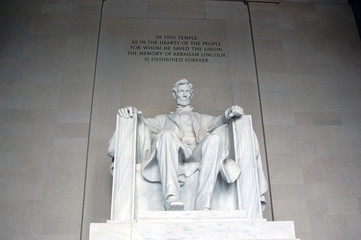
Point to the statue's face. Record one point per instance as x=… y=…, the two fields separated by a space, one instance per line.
x=184 y=95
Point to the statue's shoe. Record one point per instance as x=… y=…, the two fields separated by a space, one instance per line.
x=204 y=209
x=173 y=204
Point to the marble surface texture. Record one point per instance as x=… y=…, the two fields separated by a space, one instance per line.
x=139 y=214
x=209 y=153
x=308 y=58
x=132 y=194
x=121 y=77
x=217 y=225
x=123 y=193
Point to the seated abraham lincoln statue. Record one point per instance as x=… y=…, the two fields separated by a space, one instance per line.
x=174 y=146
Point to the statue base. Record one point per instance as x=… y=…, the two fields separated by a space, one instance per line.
x=193 y=225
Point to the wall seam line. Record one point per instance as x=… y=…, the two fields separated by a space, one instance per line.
x=261 y=112
x=90 y=120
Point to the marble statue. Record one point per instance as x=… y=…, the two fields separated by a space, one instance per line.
x=173 y=147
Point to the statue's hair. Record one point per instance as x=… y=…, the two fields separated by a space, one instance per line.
x=181 y=82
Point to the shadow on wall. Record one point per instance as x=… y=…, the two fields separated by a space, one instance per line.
x=356 y=8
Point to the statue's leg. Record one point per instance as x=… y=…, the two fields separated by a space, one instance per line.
x=209 y=152
x=167 y=154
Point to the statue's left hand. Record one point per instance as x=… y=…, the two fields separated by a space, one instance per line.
x=233 y=112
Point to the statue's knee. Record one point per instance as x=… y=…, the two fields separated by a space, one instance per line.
x=214 y=140
x=166 y=135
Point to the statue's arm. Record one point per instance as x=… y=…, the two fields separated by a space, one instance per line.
x=155 y=125
x=215 y=122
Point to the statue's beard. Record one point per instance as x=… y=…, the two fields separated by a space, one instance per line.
x=183 y=102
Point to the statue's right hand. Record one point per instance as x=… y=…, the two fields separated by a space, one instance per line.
x=128 y=112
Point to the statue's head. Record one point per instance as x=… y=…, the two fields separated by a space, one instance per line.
x=183 y=92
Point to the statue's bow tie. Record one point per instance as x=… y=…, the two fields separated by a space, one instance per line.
x=184 y=109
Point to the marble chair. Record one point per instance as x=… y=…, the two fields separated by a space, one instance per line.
x=133 y=196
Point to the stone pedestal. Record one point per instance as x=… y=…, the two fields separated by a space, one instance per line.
x=193 y=225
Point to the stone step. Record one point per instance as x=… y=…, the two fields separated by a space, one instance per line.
x=189 y=215
x=159 y=229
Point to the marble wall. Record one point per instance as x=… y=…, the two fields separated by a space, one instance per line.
x=47 y=61
x=309 y=67
x=58 y=103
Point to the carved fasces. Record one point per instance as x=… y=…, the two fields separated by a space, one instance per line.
x=123 y=192
x=247 y=157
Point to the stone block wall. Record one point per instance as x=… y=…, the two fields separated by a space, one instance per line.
x=309 y=66
x=47 y=62
x=55 y=120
